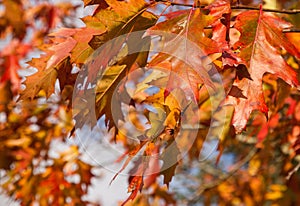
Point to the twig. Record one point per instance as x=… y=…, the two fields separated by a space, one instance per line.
x=239 y=7
x=283 y=11
x=223 y=178
x=292 y=30
x=293 y=171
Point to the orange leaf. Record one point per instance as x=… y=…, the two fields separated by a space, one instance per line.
x=135 y=185
x=259 y=48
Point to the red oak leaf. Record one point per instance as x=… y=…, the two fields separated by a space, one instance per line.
x=259 y=47
x=186 y=50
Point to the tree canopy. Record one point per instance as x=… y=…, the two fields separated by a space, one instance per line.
x=206 y=92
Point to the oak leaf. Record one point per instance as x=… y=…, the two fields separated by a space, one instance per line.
x=170 y=158
x=184 y=52
x=259 y=47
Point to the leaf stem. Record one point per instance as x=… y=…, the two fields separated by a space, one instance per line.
x=238 y=7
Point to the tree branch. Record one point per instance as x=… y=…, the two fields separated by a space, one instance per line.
x=283 y=11
x=223 y=177
x=239 y=7
x=292 y=30
x=293 y=171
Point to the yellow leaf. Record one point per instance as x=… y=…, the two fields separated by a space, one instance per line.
x=41 y=134
x=156 y=119
x=66 y=121
x=173 y=119
x=226 y=190
x=277 y=187
x=172 y=100
x=70 y=154
x=276 y=192
x=13 y=118
x=22 y=142
x=254 y=165
x=292 y=63
x=274 y=195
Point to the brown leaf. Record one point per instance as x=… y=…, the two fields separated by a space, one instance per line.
x=236 y=92
x=42 y=80
x=170 y=158
x=14 y=14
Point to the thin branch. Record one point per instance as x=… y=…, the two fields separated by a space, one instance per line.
x=224 y=177
x=239 y=7
x=293 y=171
x=283 y=11
x=292 y=30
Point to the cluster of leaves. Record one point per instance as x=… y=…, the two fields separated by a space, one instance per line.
x=248 y=50
x=33 y=170
x=272 y=149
